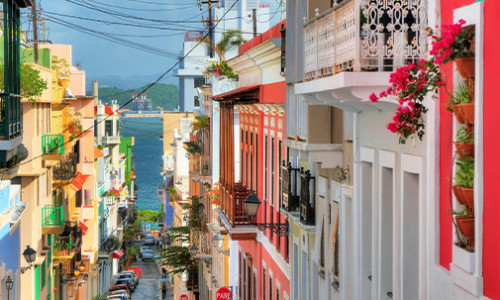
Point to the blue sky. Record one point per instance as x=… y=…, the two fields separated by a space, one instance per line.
x=101 y=57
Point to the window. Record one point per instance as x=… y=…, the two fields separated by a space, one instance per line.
x=251 y=154
x=199 y=81
x=322 y=247
x=108 y=127
x=277 y=294
x=254 y=293
x=280 y=162
x=241 y=279
x=265 y=166
x=256 y=162
x=242 y=154
x=263 y=284
x=249 y=279
x=270 y=287
x=273 y=167
x=247 y=155
x=95 y=127
x=196 y=101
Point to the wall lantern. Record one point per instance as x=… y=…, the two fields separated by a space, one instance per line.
x=251 y=204
x=218 y=241
x=30 y=256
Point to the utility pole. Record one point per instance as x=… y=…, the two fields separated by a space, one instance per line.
x=35 y=31
x=210 y=22
x=254 y=21
x=282 y=8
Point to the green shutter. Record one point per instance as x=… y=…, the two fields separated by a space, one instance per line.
x=37 y=282
x=49 y=286
x=44 y=274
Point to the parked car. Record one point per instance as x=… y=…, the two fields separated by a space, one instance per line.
x=149 y=240
x=134 y=275
x=117 y=297
x=127 y=276
x=117 y=287
x=118 y=293
x=148 y=255
x=127 y=281
x=142 y=249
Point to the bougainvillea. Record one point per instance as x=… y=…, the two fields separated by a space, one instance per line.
x=412 y=83
x=212 y=194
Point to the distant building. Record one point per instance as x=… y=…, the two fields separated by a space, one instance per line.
x=142 y=103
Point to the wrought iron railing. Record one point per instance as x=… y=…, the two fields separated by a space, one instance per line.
x=67 y=168
x=289 y=198
x=52 y=144
x=368 y=35
x=307 y=198
x=52 y=216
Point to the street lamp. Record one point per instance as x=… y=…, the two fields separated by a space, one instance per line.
x=251 y=204
x=76 y=272
x=8 y=285
x=30 y=256
x=81 y=266
x=193 y=250
x=218 y=241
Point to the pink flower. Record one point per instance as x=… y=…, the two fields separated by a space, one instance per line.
x=373 y=98
x=392 y=127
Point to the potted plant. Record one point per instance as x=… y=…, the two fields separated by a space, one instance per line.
x=464 y=179
x=465 y=224
x=461 y=103
x=61 y=248
x=464 y=143
x=463 y=52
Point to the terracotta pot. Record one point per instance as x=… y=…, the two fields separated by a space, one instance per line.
x=458 y=112
x=458 y=194
x=468 y=112
x=468 y=197
x=465 y=149
x=466 y=227
x=465 y=66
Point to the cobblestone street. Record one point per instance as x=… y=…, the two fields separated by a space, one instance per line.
x=149 y=287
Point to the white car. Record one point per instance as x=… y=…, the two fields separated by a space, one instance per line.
x=148 y=255
x=149 y=240
x=118 y=293
x=134 y=275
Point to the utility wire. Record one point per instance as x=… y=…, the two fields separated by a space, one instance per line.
x=135 y=97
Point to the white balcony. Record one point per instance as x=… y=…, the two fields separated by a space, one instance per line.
x=111 y=140
x=364 y=35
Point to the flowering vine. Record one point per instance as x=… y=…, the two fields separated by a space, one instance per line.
x=411 y=84
x=213 y=193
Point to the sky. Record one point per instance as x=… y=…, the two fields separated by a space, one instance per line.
x=101 y=57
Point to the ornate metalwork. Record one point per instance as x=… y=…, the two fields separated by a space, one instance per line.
x=281 y=229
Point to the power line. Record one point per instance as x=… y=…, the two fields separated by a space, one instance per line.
x=133 y=98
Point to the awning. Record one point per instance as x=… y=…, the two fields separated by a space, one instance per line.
x=114 y=192
x=84 y=227
x=242 y=94
x=78 y=182
x=118 y=254
x=97 y=153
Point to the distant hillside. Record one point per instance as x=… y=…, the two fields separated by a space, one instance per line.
x=128 y=82
x=161 y=94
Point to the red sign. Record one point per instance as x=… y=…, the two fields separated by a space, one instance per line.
x=223 y=294
x=184 y=297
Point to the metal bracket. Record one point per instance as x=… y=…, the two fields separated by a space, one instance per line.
x=281 y=229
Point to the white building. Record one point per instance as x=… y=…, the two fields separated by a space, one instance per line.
x=358 y=231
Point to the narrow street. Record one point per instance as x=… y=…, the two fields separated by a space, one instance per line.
x=149 y=286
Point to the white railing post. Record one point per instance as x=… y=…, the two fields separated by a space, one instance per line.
x=357 y=37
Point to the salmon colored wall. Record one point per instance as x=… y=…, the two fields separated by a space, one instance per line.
x=491 y=144
x=446 y=148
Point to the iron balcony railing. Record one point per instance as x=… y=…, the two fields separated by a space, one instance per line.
x=67 y=168
x=52 y=144
x=307 y=199
x=52 y=216
x=10 y=115
x=364 y=35
x=290 y=201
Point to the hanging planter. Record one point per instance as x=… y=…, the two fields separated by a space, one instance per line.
x=457 y=191
x=465 y=66
x=468 y=198
x=465 y=142
x=458 y=112
x=465 y=225
x=468 y=112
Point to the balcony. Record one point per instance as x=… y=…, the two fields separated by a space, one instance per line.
x=66 y=169
x=307 y=198
x=52 y=146
x=364 y=35
x=10 y=116
x=232 y=204
x=290 y=201
x=52 y=219
x=192 y=283
x=110 y=140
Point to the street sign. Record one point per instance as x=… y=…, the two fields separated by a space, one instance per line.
x=184 y=297
x=223 y=294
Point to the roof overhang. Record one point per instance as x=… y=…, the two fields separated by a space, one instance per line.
x=246 y=94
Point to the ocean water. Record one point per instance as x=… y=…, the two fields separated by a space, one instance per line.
x=148 y=150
